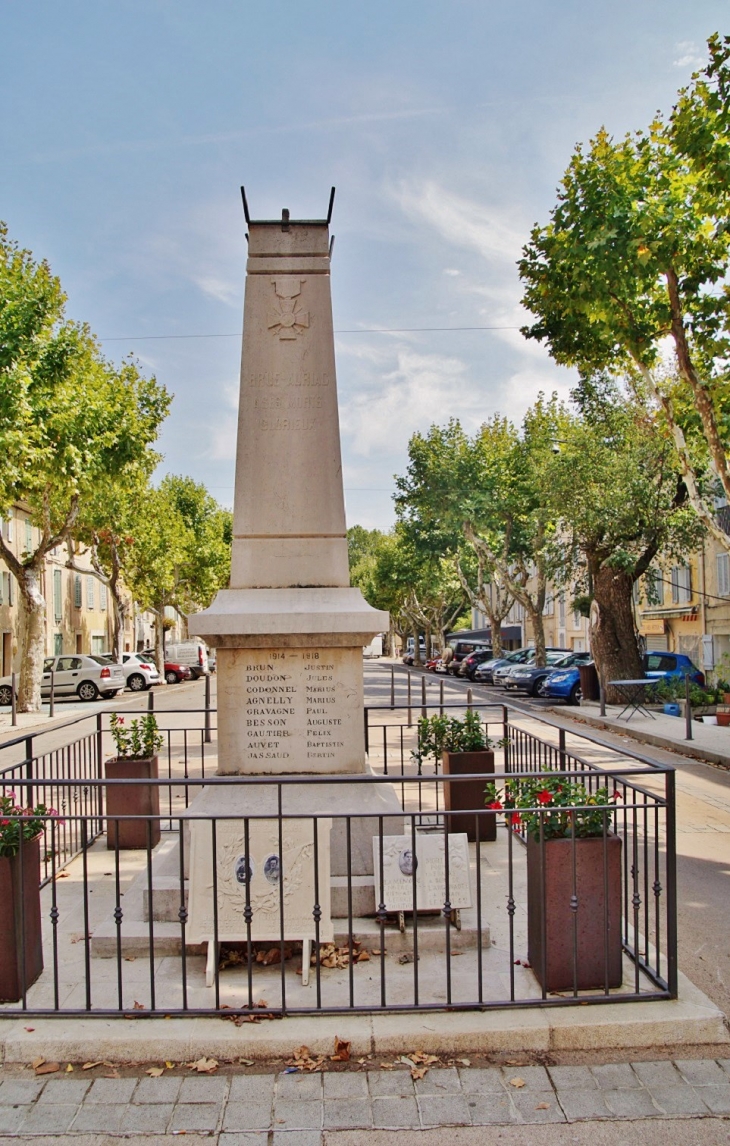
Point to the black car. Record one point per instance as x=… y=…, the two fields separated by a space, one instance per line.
x=468 y=666
x=529 y=678
x=462 y=650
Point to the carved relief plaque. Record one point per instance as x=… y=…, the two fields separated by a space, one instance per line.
x=430 y=867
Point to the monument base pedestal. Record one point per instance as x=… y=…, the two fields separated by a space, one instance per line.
x=355 y=809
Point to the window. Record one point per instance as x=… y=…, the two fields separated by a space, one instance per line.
x=561 y=608
x=90 y=592
x=9 y=529
x=654 y=587
x=102 y=596
x=97 y=645
x=549 y=606
x=77 y=591
x=28 y=536
x=57 y=595
x=723 y=574
x=6 y=589
x=58 y=643
x=681 y=584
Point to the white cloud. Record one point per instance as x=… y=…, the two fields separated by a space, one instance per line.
x=691 y=55
x=222 y=435
x=488 y=230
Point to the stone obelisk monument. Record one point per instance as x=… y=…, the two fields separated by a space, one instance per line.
x=289 y=631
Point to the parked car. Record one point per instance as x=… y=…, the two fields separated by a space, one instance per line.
x=483 y=673
x=462 y=650
x=528 y=678
x=192 y=653
x=141 y=671
x=175 y=673
x=661 y=665
x=469 y=665
x=562 y=684
x=88 y=677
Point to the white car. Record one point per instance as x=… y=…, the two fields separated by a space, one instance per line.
x=88 y=677
x=141 y=672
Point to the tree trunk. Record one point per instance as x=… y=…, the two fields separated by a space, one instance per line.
x=538 y=627
x=417 y=647
x=160 y=641
x=495 y=623
x=429 y=646
x=613 y=633
x=34 y=640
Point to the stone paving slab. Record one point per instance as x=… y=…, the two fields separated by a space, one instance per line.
x=319 y=1108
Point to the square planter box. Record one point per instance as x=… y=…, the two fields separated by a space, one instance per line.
x=549 y=893
x=468 y=794
x=21 y=945
x=132 y=800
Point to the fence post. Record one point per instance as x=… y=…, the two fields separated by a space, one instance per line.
x=602 y=695
x=410 y=714
x=423 y=697
x=392 y=686
x=13 y=702
x=51 y=703
x=29 y=768
x=207 y=709
x=505 y=736
x=687 y=709
x=469 y=698
x=150 y=701
x=100 y=762
x=441 y=698
x=561 y=746
x=671 y=871
x=366 y=723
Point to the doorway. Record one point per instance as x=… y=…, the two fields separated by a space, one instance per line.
x=7 y=654
x=79 y=642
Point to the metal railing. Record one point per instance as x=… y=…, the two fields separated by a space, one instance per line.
x=118 y=937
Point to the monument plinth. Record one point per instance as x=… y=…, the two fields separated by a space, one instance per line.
x=289 y=631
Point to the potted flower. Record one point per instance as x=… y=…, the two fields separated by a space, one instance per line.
x=21 y=948
x=464 y=750
x=573 y=859
x=136 y=759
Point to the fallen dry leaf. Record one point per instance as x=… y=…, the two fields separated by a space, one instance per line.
x=387 y=1066
x=464 y=1061
x=47 y=1068
x=517 y=1083
x=169 y=1065
x=91 y=1065
x=543 y=1106
x=112 y=1074
x=37 y=1062
x=155 y=1071
x=69 y=1068
x=342 y=1050
x=29 y=1028
x=129 y=958
x=138 y=1006
x=262 y=1003
x=363 y=957
x=246 y=1061
x=204 y=1065
x=62 y=875
x=419 y=1072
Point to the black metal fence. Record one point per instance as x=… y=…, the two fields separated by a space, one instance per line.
x=375 y=907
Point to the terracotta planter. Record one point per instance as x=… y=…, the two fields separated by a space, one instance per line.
x=549 y=894
x=468 y=794
x=132 y=800
x=726 y=697
x=21 y=946
x=723 y=719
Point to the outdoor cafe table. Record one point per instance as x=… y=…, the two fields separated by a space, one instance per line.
x=632 y=691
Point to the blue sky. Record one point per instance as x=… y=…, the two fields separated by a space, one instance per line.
x=129 y=125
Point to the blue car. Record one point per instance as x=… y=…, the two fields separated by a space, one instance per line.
x=564 y=684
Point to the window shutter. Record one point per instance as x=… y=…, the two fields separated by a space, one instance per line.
x=77 y=591
x=89 y=592
x=57 y=595
x=723 y=574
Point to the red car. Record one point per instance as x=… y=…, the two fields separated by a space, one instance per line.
x=174 y=673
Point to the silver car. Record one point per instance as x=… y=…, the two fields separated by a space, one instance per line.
x=87 y=677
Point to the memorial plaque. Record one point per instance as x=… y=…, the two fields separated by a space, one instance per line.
x=262 y=873
x=430 y=865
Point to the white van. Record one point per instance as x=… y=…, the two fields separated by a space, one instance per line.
x=192 y=653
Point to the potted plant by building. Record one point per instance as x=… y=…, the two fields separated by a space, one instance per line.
x=21 y=944
x=136 y=743
x=464 y=750
x=573 y=880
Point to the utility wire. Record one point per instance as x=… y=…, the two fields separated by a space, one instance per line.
x=363 y=330
x=666 y=581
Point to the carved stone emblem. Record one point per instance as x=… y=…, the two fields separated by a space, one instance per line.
x=287 y=319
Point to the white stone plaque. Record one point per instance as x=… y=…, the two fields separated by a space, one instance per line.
x=430 y=863
x=264 y=873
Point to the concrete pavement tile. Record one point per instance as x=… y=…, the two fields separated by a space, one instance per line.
x=20 y=1091
x=345 y=1085
x=65 y=1091
x=444 y=1110
x=442 y=1080
x=11 y=1118
x=49 y=1119
x=297 y=1138
x=581 y=1104
x=203 y=1090
x=386 y=1084
x=99 y=1118
x=701 y=1071
x=163 y=1089
x=478 y=1080
x=725 y=1064
x=629 y=1103
x=111 y=1090
x=615 y=1076
x=530 y=1104
x=195 y=1116
x=657 y=1074
x=246 y=1138
x=534 y=1077
x=716 y=1098
x=348 y=1114
x=395 y=1113
x=291 y=1115
x=148 y=1118
x=252 y=1088
x=247 y=1116
x=491 y=1110
x=299 y=1087
x=572 y=1077
x=680 y=1100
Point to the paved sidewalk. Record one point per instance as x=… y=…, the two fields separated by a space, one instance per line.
x=310 y=1109
x=709 y=741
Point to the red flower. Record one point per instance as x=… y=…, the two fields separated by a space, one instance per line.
x=515 y=819
x=496 y=805
x=544 y=797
